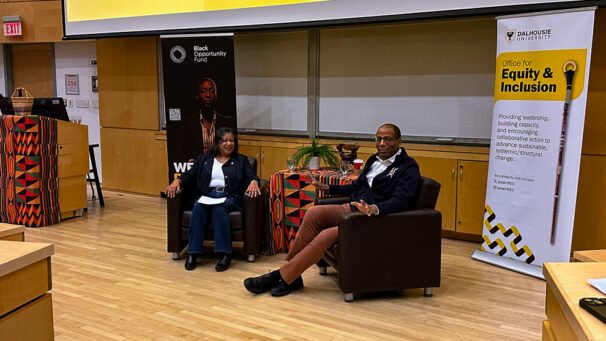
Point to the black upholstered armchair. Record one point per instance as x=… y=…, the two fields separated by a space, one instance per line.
x=246 y=226
x=391 y=252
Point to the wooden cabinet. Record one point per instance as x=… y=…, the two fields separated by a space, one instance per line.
x=269 y=159
x=443 y=171
x=461 y=170
x=270 y=151
x=273 y=159
x=252 y=151
x=471 y=196
x=462 y=194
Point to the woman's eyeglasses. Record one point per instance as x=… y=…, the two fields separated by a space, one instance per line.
x=226 y=141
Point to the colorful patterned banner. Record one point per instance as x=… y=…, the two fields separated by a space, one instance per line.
x=28 y=171
x=291 y=195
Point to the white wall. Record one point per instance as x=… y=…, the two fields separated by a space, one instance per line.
x=75 y=58
x=2 y=68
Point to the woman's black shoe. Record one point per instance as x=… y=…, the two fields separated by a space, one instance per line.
x=282 y=288
x=223 y=262
x=190 y=262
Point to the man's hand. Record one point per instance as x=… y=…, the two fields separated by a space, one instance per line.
x=365 y=208
x=173 y=188
x=317 y=184
x=253 y=189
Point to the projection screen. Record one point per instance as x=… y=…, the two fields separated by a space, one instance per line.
x=96 y=18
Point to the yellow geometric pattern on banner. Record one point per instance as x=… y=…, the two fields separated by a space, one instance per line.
x=493 y=244
x=538 y=75
x=491 y=216
x=524 y=249
x=80 y=10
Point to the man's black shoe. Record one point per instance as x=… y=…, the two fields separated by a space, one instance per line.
x=223 y=262
x=261 y=284
x=190 y=262
x=282 y=288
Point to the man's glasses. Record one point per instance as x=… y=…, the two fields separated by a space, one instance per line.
x=387 y=139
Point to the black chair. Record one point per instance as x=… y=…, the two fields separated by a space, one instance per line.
x=391 y=252
x=246 y=226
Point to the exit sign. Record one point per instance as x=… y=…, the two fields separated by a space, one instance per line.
x=12 y=29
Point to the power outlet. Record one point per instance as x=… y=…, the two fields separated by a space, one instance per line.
x=81 y=103
x=70 y=103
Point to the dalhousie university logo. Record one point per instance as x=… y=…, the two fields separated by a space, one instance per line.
x=510 y=35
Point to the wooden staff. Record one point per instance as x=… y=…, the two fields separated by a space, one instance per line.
x=569 y=69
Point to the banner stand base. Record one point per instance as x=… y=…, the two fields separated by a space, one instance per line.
x=509 y=264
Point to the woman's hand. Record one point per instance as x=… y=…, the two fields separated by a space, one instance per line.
x=365 y=208
x=173 y=188
x=253 y=189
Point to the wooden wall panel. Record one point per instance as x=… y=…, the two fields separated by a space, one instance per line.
x=590 y=216
x=134 y=160
x=33 y=69
x=595 y=120
x=128 y=83
x=41 y=20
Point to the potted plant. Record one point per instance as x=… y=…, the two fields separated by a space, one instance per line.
x=312 y=154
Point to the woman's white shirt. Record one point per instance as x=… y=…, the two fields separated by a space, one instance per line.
x=217 y=178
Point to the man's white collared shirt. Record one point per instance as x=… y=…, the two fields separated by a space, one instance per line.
x=379 y=166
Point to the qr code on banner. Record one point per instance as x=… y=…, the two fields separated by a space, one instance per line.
x=174 y=114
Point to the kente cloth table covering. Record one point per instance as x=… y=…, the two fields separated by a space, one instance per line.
x=28 y=170
x=291 y=195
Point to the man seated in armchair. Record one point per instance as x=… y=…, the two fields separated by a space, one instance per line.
x=388 y=184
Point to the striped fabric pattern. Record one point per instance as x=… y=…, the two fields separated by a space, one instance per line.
x=290 y=197
x=28 y=158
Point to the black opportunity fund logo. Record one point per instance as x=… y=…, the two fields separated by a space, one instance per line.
x=177 y=54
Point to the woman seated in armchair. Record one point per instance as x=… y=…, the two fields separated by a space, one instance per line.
x=222 y=173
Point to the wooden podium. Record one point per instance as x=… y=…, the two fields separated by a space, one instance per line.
x=72 y=167
x=566 y=284
x=26 y=311
x=43 y=167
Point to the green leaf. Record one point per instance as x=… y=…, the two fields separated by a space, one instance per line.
x=325 y=152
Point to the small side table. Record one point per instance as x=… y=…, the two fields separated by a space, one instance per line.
x=290 y=196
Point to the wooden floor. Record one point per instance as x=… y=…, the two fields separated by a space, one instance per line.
x=113 y=280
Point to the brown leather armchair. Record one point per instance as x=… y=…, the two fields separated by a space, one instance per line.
x=246 y=226
x=391 y=252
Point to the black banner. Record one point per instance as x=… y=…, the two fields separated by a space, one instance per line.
x=199 y=95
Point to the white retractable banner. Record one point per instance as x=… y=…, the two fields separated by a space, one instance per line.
x=542 y=72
